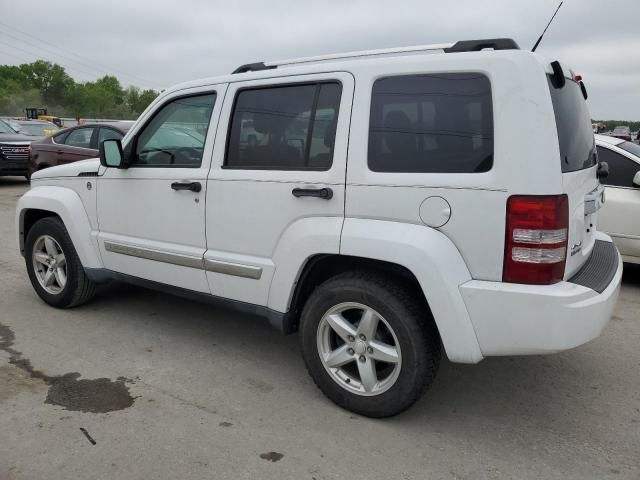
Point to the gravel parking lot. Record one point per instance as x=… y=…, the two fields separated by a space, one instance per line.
x=186 y=390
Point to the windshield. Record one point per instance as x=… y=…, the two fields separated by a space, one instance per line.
x=630 y=147
x=621 y=130
x=4 y=128
x=37 y=129
x=573 y=123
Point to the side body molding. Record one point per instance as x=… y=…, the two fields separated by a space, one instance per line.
x=436 y=263
x=65 y=203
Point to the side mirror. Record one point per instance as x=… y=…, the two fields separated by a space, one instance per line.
x=636 y=179
x=111 y=153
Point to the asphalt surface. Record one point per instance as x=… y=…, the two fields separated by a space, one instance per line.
x=142 y=385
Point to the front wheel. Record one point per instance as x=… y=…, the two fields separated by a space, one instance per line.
x=53 y=265
x=369 y=344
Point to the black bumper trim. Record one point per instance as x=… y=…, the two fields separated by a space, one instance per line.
x=600 y=269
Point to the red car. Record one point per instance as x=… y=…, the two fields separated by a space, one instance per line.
x=73 y=144
x=622 y=132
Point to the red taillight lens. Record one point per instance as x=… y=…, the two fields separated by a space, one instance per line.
x=536 y=239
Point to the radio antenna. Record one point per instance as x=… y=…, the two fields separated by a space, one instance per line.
x=545 y=28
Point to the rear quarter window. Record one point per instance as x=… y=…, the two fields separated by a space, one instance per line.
x=431 y=123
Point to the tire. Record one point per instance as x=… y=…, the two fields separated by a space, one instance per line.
x=404 y=323
x=77 y=288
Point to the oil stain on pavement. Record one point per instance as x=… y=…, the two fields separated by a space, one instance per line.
x=100 y=395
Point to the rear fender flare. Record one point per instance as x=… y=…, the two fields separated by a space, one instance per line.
x=437 y=265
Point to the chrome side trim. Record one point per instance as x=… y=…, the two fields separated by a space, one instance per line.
x=155 y=255
x=236 y=269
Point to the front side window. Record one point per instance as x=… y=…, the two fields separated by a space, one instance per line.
x=284 y=128
x=80 y=137
x=176 y=135
x=431 y=123
x=621 y=169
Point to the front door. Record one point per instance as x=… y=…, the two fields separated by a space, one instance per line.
x=277 y=184
x=619 y=215
x=151 y=215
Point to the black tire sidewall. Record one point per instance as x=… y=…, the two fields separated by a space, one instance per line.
x=416 y=344
x=54 y=228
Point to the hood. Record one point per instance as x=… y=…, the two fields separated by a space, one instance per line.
x=17 y=137
x=85 y=167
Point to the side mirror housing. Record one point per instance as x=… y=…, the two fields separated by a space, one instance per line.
x=111 y=154
x=636 y=179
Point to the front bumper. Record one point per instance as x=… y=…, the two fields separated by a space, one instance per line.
x=14 y=159
x=514 y=319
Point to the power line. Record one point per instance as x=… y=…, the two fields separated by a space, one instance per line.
x=40 y=57
x=86 y=60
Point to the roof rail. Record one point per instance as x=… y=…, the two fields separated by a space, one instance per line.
x=477 y=45
x=462 y=46
x=252 y=67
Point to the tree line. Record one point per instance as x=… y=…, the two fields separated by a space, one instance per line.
x=45 y=84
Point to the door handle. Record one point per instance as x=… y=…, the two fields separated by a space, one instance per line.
x=325 y=193
x=192 y=186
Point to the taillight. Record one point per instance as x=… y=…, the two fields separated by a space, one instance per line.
x=536 y=239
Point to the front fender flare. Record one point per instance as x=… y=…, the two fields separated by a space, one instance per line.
x=65 y=203
x=437 y=265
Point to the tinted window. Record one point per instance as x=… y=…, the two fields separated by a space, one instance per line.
x=630 y=147
x=61 y=137
x=621 y=169
x=108 y=134
x=439 y=123
x=80 y=137
x=285 y=128
x=573 y=123
x=175 y=136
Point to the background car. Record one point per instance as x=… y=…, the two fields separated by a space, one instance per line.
x=73 y=144
x=622 y=132
x=620 y=216
x=36 y=128
x=14 y=150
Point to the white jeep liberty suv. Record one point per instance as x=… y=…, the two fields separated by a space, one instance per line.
x=386 y=204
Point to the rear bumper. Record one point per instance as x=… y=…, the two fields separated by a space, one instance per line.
x=513 y=319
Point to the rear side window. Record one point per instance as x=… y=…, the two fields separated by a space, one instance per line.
x=61 y=137
x=108 y=134
x=436 y=123
x=284 y=128
x=573 y=123
x=80 y=137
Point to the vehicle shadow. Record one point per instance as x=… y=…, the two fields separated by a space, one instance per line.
x=631 y=274
x=13 y=181
x=508 y=390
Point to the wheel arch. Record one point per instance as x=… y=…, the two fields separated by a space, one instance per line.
x=65 y=204
x=424 y=258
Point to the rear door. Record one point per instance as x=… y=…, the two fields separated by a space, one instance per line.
x=277 y=181
x=578 y=160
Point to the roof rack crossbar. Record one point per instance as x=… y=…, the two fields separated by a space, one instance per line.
x=462 y=46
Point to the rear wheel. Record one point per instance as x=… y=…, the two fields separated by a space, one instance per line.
x=369 y=343
x=53 y=265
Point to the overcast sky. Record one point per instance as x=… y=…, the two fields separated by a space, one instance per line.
x=156 y=43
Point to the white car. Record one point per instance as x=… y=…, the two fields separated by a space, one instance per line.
x=620 y=217
x=387 y=204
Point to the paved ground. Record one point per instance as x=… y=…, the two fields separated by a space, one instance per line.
x=216 y=392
